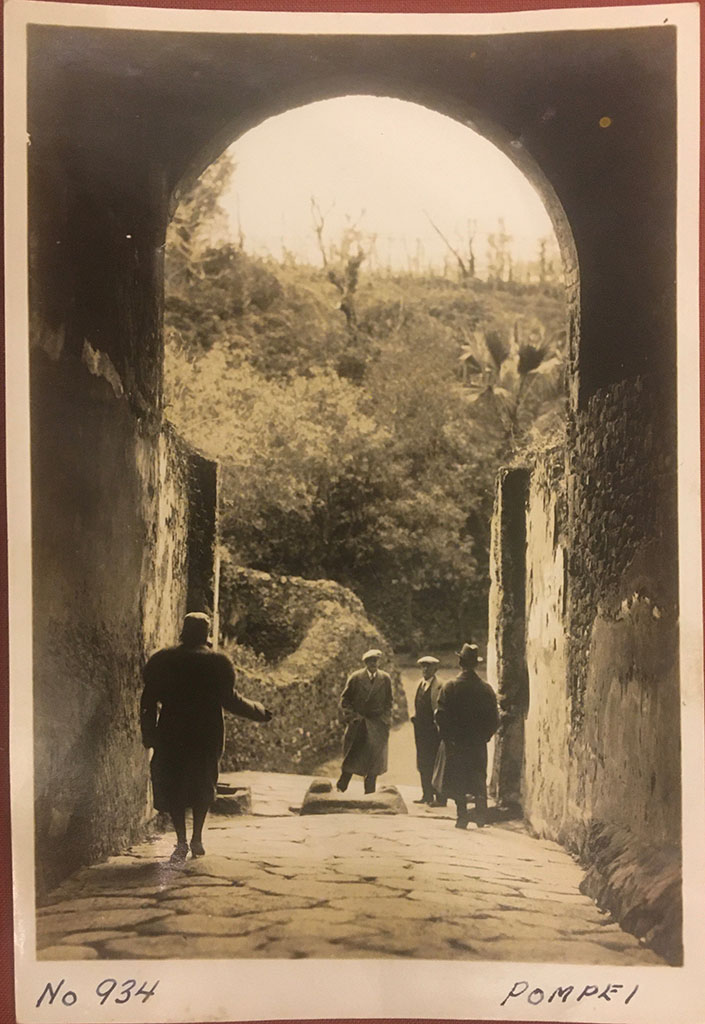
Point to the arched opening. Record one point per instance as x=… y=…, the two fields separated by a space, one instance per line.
x=366 y=317
x=596 y=112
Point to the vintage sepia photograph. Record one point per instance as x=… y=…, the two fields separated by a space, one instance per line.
x=352 y=376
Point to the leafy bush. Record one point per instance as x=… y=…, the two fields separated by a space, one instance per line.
x=358 y=448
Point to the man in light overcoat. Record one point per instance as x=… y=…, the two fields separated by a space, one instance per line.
x=366 y=705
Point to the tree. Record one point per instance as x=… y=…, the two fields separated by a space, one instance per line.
x=498 y=254
x=466 y=265
x=518 y=378
x=198 y=221
x=386 y=488
x=341 y=263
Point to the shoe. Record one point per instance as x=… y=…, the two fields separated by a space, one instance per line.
x=341 y=785
x=180 y=853
x=422 y=800
x=438 y=801
x=197 y=849
x=462 y=823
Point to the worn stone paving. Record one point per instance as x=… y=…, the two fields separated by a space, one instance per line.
x=275 y=884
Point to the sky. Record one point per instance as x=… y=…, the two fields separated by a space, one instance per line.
x=386 y=166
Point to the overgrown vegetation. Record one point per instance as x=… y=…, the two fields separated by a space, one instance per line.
x=359 y=418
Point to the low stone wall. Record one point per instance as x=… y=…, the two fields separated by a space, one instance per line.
x=302 y=686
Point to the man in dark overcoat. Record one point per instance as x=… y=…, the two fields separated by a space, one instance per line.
x=467 y=719
x=426 y=730
x=366 y=705
x=185 y=691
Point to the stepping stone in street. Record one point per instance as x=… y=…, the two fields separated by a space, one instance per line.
x=322 y=798
x=232 y=800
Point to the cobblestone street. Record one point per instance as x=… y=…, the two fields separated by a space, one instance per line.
x=276 y=884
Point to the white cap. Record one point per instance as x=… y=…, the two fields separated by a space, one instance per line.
x=372 y=653
x=428 y=660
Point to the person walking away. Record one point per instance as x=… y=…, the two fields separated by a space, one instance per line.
x=185 y=691
x=467 y=719
x=425 y=729
x=366 y=705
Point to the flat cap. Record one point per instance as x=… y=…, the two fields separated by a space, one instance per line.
x=428 y=659
x=372 y=653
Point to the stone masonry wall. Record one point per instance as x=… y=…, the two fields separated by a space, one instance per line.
x=601 y=764
x=624 y=783
x=314 y=633
x=623 y=610
x=547 y=725
x=506 y=655
x=110 y=555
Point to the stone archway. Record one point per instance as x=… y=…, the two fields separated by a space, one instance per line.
x=117 y=120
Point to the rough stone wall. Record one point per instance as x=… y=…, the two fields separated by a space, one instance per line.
x=623 y=610
x=326 y=633
x=506 y=670
x=166 y=564
x=625 y=784
x=547 y=725
x=110 y=555
x=601 y=754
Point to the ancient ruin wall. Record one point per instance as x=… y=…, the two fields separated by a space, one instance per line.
x=623 y=612
x=601 y=761
x=314 y=633
x=506 y=655
x=110 y=581
x=624 y=783
x=547 y=725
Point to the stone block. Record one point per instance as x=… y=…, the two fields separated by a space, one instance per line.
x=320 y=786
x=322 y=798
x=232 y=800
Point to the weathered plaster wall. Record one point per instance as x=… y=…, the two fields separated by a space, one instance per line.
x=111 y=512
x=315 y=632
x=601 y=756
x=623 y=607
x=625 y=784
x=547 y=725
x=506 y=670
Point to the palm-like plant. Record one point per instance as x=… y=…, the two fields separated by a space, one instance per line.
x=500 y=372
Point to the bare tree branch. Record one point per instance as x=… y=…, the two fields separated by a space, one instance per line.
x=461 y=262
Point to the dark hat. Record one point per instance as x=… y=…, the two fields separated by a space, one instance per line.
x=470 y=653
x=195 y=629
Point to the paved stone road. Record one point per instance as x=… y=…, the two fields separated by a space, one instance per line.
x=275 y=884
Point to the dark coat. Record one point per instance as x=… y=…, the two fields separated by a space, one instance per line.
x=467 y=719
x=181 y=715
x=367 y=708
x=425 y=729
